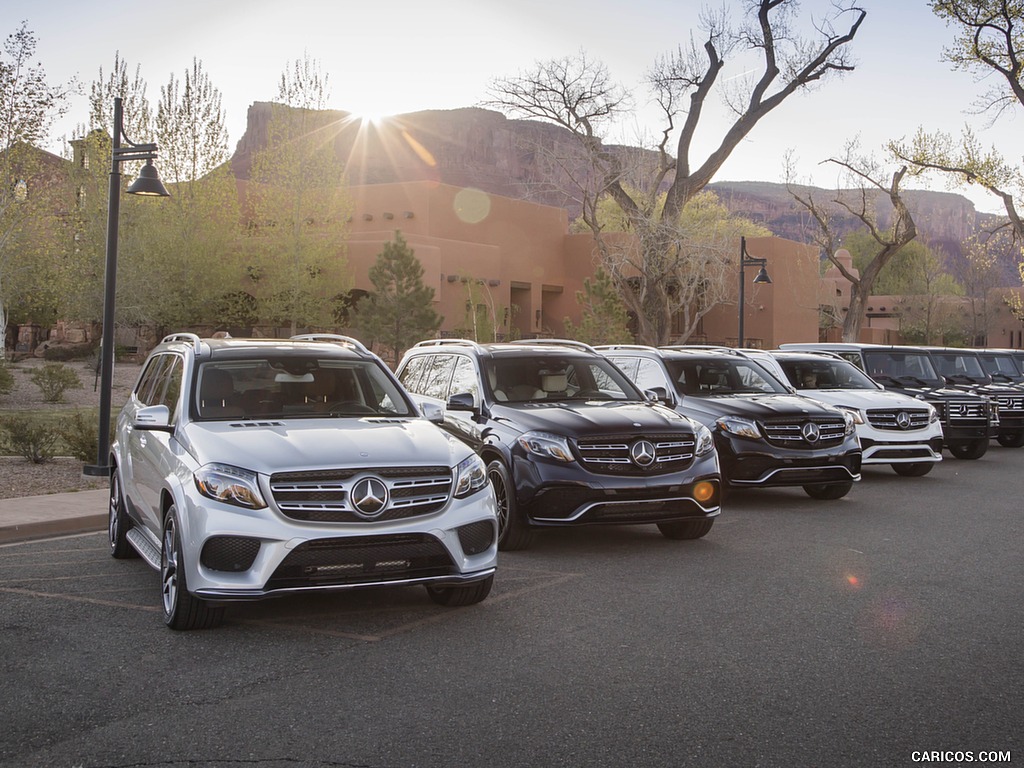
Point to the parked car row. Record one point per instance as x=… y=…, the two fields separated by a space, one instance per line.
x=251 y=468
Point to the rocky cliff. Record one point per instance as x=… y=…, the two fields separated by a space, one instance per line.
x=515 y=158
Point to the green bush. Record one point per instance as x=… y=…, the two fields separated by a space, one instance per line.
x=29 y=438
x=81 y=434
x=53 y=379
x=6 y=379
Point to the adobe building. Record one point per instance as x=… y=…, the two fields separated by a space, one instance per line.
x=518 y=263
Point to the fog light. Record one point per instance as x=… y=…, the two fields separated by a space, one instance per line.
x=704 y=491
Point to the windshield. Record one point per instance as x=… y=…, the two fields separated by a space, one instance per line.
x=1000 y=364
x=296 y=387
x=955 y=364
x=826 y=374
x=724 y=376
x=526 y=379
x=901 y=368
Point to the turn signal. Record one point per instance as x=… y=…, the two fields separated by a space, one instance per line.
x=704 y=491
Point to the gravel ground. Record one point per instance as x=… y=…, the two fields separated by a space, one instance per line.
x=19 y=477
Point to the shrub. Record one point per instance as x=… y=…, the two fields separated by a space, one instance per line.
x=6 y=379
x=81 y=434
x=30 y=438
x=53 y=379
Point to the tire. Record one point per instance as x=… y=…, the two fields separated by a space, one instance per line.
x=1013 y=439
x=457 y=597
x=118 y=522
x=686 y=529
x=974 y=449
x=513 y=531
x=828 y=491
x=182 y=610
x=916 y=469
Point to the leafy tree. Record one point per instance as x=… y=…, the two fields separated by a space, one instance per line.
x=192 y=257
x=399 y=311
x=603 y=315
x=28 y=106
x=988 y=42
x=299 y=205
x=579 y=95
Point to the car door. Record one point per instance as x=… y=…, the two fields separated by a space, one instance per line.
x=150 y=449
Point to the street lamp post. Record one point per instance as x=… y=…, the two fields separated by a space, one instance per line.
x=762 y=278
x=147 y=183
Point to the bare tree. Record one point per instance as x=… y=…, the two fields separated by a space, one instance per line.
x=579 y=95
x=989 y=42
x=867 y=177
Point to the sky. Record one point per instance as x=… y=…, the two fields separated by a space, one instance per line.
x=399 y=56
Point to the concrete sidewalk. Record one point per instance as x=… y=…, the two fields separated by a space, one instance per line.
x=36 y=517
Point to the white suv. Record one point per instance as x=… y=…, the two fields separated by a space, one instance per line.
x=893 y=428
x=250 y=468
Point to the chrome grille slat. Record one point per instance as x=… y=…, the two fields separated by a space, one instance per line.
x=672 y=453
x=831 y=432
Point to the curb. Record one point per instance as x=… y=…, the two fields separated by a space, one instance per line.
x=12 y=534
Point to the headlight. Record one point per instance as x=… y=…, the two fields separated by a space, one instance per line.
x=858 y=416
x=739 y=427
x=851 y=422
x=231 y=485
x=470 y=476
x=933 y=415
x=705 y=440
x=547 y=445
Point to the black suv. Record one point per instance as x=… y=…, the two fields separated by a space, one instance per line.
x=968 y=419
x=567 y=439
x=765 y=435
x=963 y=369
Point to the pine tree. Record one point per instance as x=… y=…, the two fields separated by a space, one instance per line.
x=399 y=311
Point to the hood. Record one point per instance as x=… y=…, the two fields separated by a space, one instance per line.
x=296 y=444
x=863 y=399
x=593 y=417
x=754 y=407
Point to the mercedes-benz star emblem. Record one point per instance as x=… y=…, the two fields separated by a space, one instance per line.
x=811 y=432
x=643 y=453
x=369 y=497
x=903 y=420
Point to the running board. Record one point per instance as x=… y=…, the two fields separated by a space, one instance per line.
x=144 y=546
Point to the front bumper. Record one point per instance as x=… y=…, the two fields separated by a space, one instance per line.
x=887 y=446
x=232 y=553
x=557 y=494
x=756 y=463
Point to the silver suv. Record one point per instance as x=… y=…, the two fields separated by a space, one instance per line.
x=250 y=468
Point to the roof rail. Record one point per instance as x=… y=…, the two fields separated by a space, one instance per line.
x=191 y=338
x=556 y=343
x=444 y=342
x=336 y=338
x=642 y=347
x=704 y=348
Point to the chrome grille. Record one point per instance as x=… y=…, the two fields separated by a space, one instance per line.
x=1010 y=403
x=611 y=454
x=790 y=434
x=960 y=411
x=888 y=418
x=323 y=496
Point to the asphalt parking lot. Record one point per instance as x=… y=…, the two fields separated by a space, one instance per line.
x=860 y=632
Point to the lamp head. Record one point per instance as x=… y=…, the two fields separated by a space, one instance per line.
x=148 y=182
x=762 y=277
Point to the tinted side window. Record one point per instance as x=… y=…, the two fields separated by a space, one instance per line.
x=464 y=378
x=170 y=391
x=627 y=365
x=436 y=376
x=151 y=379
x=649 y=375
x=412 y=374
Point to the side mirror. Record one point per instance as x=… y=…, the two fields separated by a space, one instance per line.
x=660 y=395
x=432 y=412
x=153 y=417
x=462 y=401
